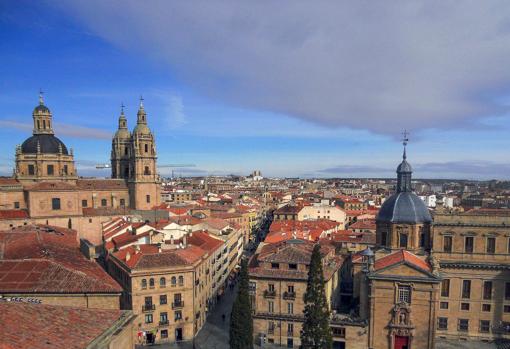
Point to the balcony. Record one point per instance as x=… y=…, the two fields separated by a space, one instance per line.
x=177 y=304
x=163 y=323
x=148 y=307
x=289 y=295
x=269 y=294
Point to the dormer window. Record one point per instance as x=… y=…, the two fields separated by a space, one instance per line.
x=293 y=266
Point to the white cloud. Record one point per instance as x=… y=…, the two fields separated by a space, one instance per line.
x=175 y=110
x=61 y=129
x=380 y=66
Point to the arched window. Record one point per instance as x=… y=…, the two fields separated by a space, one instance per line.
x=126 y=151
x=104 y=202
x=162 y=282
x=151 y=283
x=403 y=240
x=146 y=148
x=126 y=172
x=144 y=284
x=181 y=280
x=38 y=124
x=44 y=124
x=174 y=281
x=147 y=171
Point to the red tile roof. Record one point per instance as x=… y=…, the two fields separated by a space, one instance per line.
x=205 y=241
x=38 y=259
x=306 y=230
x=101 y=184
x=38 y=326
x=13 y=214
x=401 y=256
x=364 y=224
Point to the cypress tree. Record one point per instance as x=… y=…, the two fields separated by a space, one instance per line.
x=316 y=333
x=241 y=325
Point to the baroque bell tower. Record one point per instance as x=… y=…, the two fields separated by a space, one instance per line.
x=143 y=179
x=121 y=150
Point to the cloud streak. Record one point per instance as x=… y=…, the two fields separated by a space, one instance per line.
x=61 y=129
x=377 y=66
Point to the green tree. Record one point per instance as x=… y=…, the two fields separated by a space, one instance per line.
x=241 y=325
x=316 y=333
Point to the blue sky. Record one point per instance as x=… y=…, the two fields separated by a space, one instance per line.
x=291 y=92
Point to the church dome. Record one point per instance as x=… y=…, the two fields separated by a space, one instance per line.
x=404 y=167
x=41 y=109
x=122 y=133
x=48 y=143
x=404 y=207
x=142 y=129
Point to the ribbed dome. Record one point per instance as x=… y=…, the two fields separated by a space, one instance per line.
x=41 y=108
x=49 y=144
x=122 y=133
x=404 y=207
x=142 y=129
x=404 y=167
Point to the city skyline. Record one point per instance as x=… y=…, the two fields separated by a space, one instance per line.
x=222 y=118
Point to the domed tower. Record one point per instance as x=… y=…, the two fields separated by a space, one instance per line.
x=121 y=149
x=403 y=222
x=144 y=182
x=44 y=157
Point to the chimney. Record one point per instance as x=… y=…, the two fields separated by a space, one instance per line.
x=128 y=256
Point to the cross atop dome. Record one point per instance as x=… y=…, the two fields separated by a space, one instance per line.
x=41 y=100
x=405 y=140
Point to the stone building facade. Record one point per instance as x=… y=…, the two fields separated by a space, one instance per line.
x=46 y=188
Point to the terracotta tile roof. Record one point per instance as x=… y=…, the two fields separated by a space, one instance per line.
x=13 y=214
x=149 y=256
x=289 y=209
x=205 y=241
x=352 y=237
x=306 y=230
x=184 y=220
x=36 y=259
x=101 y=184
x=9 y=182
x=364 y=224
x=38 y=326
x=105 y=211
x=216 y=223
x=401 y=256
x=51 y=186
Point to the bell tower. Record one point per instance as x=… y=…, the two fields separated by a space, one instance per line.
x=121 y=149
x=143 y=180
x=42 y=118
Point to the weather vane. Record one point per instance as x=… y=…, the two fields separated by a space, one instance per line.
x=141 y=101
x=122 y=107
x=405 y=140
x=41 y=101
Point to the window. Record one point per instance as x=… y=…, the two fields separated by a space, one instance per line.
x=84 y=203
x=463 y=325
x=148 y=318
x=148 y=300
x=146 y=171
x=162 y=282
x=146 y=148
x=491 y=245
x=122 y=202
x=65 y=169
x=148 y=199
x=104 y=202
x=163 y=318
x=151 y=283
x=270 y=327
x=290 y=288
x=181 y=280
x=466 y=288
x=50 y=170
x=464 y=306
x=485 y=326
x=275 y=265
x=468 y=246
x=293 y=266
x=443 y=305
x=162 y=299
x=383 y=238
x=290 y=329
x=270 y=287
x=270 y=306
x=173 y=281
x=442 y=323
x=507 y=290
x=338 y=331
x=506 y=309
x=31 y=170
x=403 y=240
x=16 y=204
x=404 y=294
x=487 y=290
x=177 y=315
x=447 y=244
x=125 y=150
x=164 y=333
x=55 y=204
x=445 y=288
x=486 y=307
x=144 y=284
x=422 y=239
x=290 y=308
